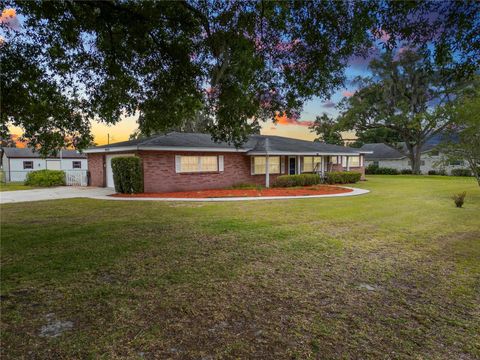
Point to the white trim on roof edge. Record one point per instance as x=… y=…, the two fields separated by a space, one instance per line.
x=259 y=153
x=161 y=148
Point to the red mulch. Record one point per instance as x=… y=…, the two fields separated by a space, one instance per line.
x=308 y=190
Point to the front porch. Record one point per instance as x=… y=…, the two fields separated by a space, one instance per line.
x=269 y=165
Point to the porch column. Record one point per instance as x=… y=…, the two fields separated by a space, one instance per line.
x=322 y=165
x=347 y=162
x=267 y=172
x=299 y=166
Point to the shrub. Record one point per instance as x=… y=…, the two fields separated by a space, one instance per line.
x=371 y=169
x=376 y=170
x=342 y=177
x=432 y=172
x=461 y=172
x=127 y=174
x=297 y=180
x=459 y=199
x=406 y=171
x=45 y=178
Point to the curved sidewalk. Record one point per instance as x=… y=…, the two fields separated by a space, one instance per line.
x=355 y=192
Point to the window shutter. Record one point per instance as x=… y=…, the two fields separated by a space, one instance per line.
x=177 y=163
x=282 y=164
x=220 y=163
x=252 y=166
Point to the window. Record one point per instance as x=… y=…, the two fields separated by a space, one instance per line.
x=352 y=161
x=259 y=164
x=456 y=162
x=76 y=164
x=27 y=165
x=189 y=164
x=311 y=163
x=336 y=160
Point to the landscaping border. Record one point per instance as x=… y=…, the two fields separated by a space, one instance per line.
x=354 y=192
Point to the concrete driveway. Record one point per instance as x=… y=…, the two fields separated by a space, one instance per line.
x=62 y=192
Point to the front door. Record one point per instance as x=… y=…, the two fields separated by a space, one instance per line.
x=292 y=165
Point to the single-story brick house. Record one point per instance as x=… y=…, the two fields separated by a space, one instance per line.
x=193 y=161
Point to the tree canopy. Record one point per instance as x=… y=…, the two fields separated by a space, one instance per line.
x=239 y=63
x=327 y=130
x=464 y=140
x=407 y=94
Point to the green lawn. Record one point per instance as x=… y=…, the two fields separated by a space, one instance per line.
x=391 y=274
x=12 y=186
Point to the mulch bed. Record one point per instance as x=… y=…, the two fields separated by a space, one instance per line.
x=220 y=193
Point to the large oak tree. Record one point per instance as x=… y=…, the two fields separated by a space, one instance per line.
x=407 y=94
x=238 y=62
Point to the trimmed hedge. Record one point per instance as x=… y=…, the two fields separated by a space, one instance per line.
x=406 y=171
x=376 y=170
x=297 y=180
x=461 y=172
x=127 y=174
x=45 y=178
x=342 y=177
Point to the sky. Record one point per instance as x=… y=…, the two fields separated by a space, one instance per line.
x=295 y=128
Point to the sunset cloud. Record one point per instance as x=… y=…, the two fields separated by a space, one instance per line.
x=9 y=18
x=285 y=120
x=18 y=141
x=348 y=93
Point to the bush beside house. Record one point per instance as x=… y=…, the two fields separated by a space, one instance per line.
x=373 y=169
x=461 y=172
x=342 y=177
x=45 y=178
x=297 y=180
x=127 y=174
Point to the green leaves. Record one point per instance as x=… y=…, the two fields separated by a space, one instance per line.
x=127 y=174
x=238 y=63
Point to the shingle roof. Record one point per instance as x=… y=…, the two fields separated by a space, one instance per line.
x=381 y=151
x=256 y=144
x=12 y=152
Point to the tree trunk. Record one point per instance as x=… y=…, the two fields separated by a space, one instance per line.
x=415 y=158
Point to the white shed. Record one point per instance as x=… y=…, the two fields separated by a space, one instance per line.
x=18 y=162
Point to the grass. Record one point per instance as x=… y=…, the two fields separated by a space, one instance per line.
x=391 y=274
x=12 y=186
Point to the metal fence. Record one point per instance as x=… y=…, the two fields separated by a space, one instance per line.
x=72 y=177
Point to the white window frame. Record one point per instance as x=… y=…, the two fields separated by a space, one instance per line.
x=28 y=168
x=312 y=163
x=281 y=169
x=344 y=161
x=76 y=161
x=178 y=164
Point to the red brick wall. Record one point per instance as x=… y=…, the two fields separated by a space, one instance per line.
x=96 y=169
x=160 y=176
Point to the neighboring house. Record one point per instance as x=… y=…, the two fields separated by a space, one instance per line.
x=193 y=161
x=18 y=162
x=383 y=155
